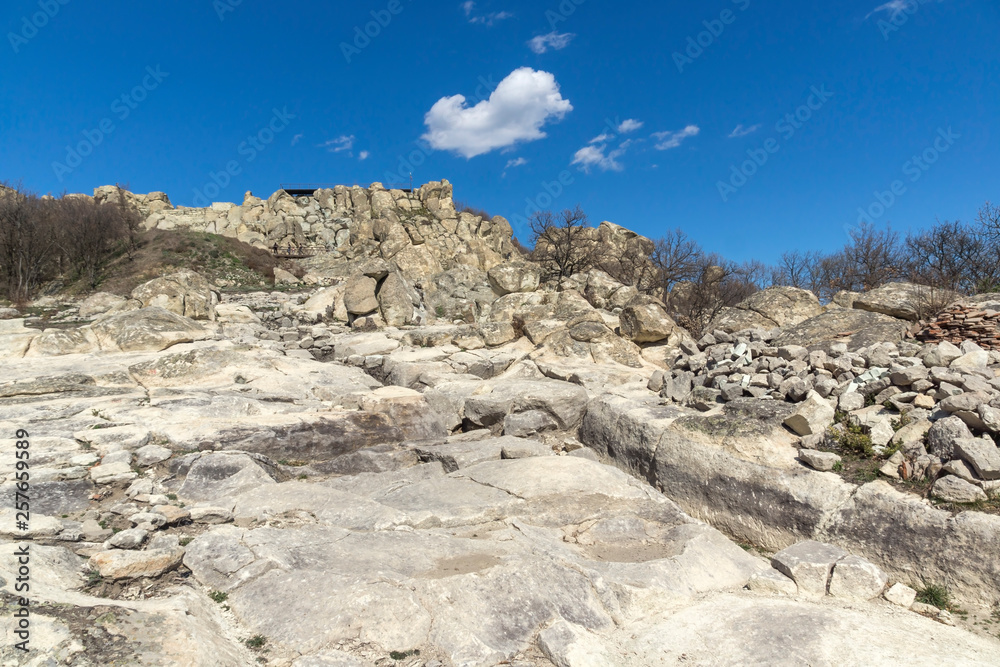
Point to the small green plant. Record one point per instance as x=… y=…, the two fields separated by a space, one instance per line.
x=934 y=595
x=184 y=541
x=838 y=466
x=93 y=578
x=256 y=642
x=218 y=596
x=103 y=524
x=172 y=496
x=869 y=400
x=903 y=421
x=853 y=439
x=403 y=655
x=439 y=311
x=303 y=476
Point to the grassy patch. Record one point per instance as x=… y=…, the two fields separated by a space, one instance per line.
x=403 y=655
x=218 y=596
x=934 y=595
x=256 y=642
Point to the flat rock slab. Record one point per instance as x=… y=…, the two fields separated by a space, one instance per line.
x=809 y=565
x=982 y=455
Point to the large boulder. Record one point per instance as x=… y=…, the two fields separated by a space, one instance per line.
x=905 y=301
x=359 y=295
x=99 y=303
x=512 y=277
x=768 y=309
x=185 y=293
x=648 y=322
x=855 y=328
x=147 y=330
x=397 y=301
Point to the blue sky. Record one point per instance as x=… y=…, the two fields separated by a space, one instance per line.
x=639 y=112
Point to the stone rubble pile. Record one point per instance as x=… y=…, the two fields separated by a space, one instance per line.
x=962 y=322
x=938 y=405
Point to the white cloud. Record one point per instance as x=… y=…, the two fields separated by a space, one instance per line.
x=297 y=138
x=667 y=140
x=485 y=19
x=554 y=40
x=595 y=156
x=601 y=138
x=363 y=155
x=741 y=131
x=516 y=111
x=519 y=162
x=340 y=144
x=630 y=125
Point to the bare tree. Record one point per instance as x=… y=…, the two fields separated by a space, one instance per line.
x=676 y=258
x=718 y=284
x=27 y=241
x=90 y=233
x=952 y=256
x=565 y=244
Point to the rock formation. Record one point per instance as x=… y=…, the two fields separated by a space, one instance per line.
x=425 y=454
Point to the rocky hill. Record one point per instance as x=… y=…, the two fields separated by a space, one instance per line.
x=422 y=452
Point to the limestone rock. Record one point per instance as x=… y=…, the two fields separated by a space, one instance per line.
x=514 y=277
x=359 y=296
x=855 y=578
x=951 y=489
x=901 y=595
x=99 y=303
x=772 y=582
x=768 y=309
x=185 y=293
x=118 y=565
x=814 y=415
x=905 y=301
x=982 y=455
x=943 y=434
x=648 y=323
x=396 y=301
x=228 y=313
x=855 y=328
x=148 y=329
x=809 y=564
x=283 y=277
x=821 y=461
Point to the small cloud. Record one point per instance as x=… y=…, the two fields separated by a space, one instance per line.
x=467 y=7
x=741 y=131
x=363 y=155
x=297 y=138
x=515 y=112
x=555 y=41
x=595 y=156
x=489 y=19
x=519 y=162
x=602 y=138
x=630 y=125
x=341 y=144
x=667 y=140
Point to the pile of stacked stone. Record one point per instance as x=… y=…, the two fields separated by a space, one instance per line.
x=936 y=404
x=963 y=322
